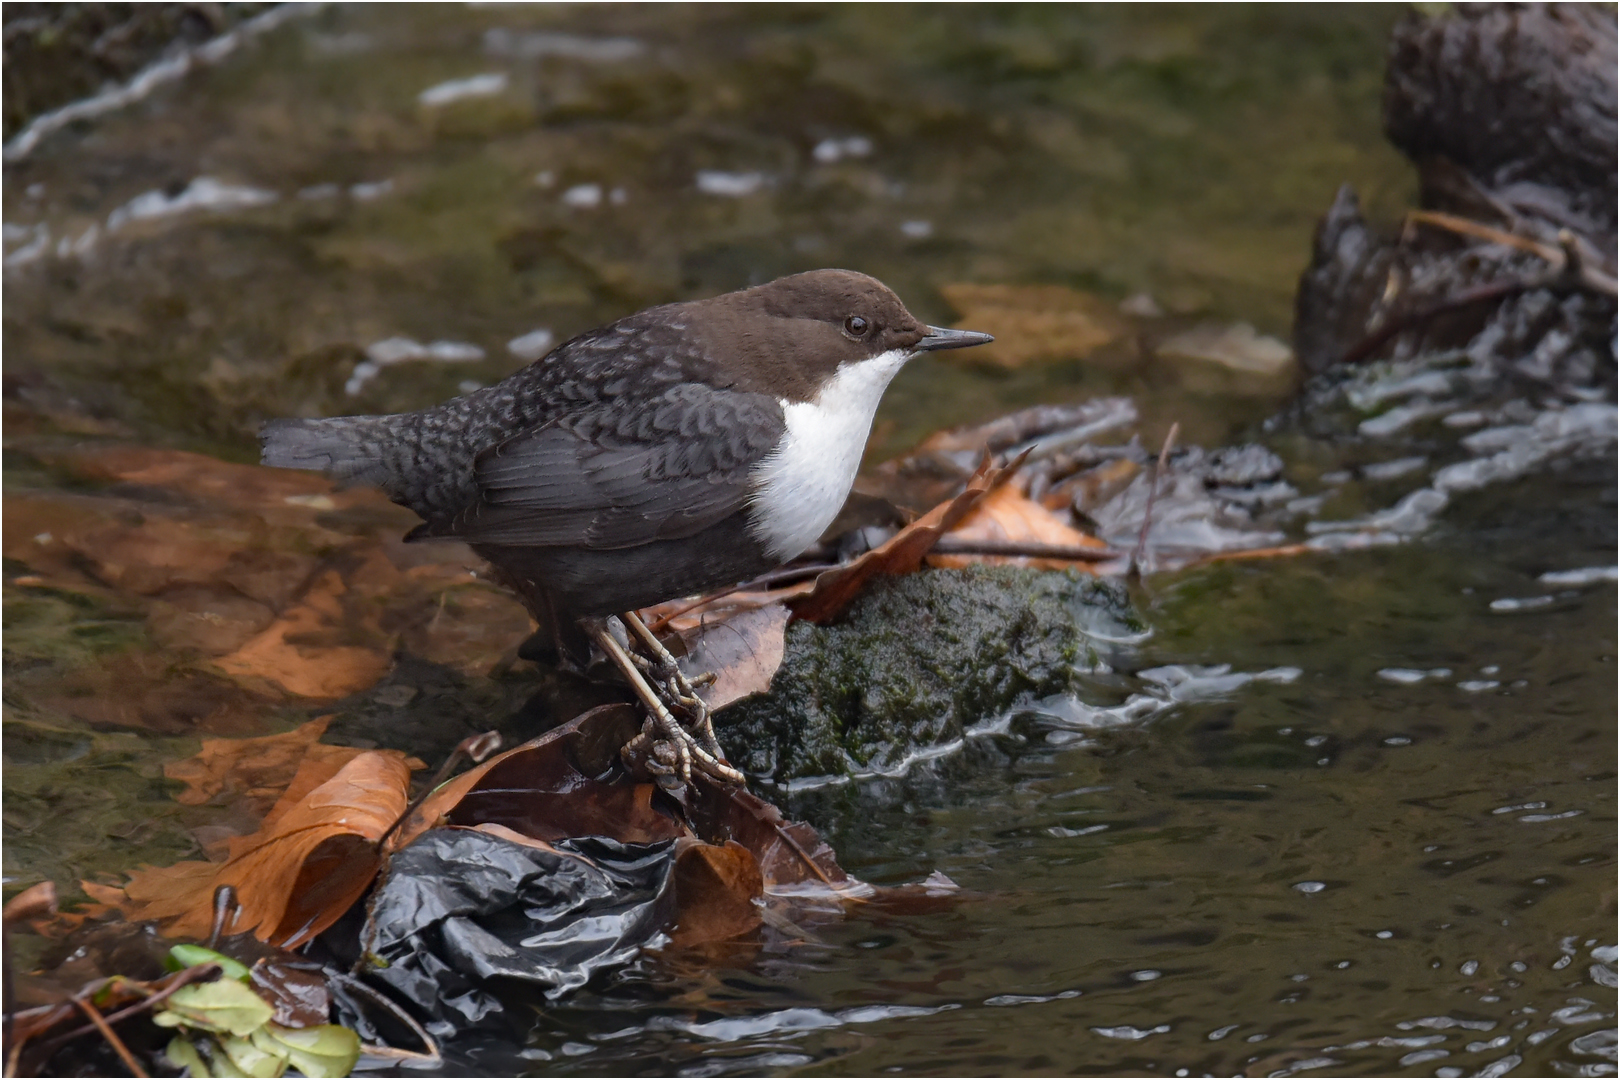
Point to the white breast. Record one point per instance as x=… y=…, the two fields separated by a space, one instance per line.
x=802 y=485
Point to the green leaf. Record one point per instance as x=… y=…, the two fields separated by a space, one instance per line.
x=221 y=1063
x=324 y=1051
x=225 y=1005
x=253 y=1059
x=182 y=1055
x=184 y=956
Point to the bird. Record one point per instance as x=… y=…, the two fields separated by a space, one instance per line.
x=683 y=448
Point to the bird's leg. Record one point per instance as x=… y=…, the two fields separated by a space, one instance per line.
x=673 y=750
x=684 y=690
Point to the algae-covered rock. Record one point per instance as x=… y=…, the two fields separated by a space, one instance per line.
x=917 y=661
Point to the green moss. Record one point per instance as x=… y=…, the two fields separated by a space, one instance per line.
x=917 y=661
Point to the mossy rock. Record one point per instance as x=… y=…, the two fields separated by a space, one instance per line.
x=917 y=661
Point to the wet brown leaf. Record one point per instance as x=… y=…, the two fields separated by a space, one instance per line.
x=312 y=669
x=1006 y=516
x=547 y=789
x=742 y=648
x=146 y=690
x=205 y=619
x=903 y=553
x=1033 y=323
x=718 y=892
x=267 y=774
x=294 y=877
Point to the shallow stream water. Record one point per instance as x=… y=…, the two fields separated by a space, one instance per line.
x=1398 y=861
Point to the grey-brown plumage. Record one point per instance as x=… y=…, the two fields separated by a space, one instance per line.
x=625 y=467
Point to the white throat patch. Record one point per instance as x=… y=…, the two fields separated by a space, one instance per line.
x=802 y=484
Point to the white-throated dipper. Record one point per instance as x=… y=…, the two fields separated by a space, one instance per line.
x=680 y=449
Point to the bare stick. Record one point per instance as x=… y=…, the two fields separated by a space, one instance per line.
x=764 y=581
x=430 y=1056
x=1067 y=552
x=1153 y=495
x=200 y=973
x=111 y=1036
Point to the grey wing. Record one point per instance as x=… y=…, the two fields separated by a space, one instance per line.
x=622 y=473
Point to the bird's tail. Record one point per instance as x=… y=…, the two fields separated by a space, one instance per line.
x=349 y=449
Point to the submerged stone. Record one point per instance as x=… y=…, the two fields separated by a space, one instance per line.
x=918 y=661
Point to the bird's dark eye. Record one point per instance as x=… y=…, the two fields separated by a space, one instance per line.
x=855 y=326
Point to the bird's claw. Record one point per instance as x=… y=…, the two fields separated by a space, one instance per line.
x=671 y=752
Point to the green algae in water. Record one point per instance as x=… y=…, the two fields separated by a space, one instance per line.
x=918 y=661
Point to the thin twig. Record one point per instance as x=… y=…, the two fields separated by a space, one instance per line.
x=1072 y=553
x=787 y=837
x=1491 y=290
x=474 y=748
x=1153 y=495
x=200 y=973
x=111 y=1036
x=1469 y=227
x=775 y=577
x=430 y=1056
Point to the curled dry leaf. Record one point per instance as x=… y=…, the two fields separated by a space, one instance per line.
x=1006 y=516
x=902 y=553
x=297 y=875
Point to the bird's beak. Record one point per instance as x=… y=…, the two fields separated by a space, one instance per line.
x=940 y=338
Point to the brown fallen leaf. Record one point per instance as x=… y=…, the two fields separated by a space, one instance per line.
x=742 y=649
x=791 y=854
x=902 y=553
x=259 y=770
x=1007 y=516
x=294 y=877
x=719 y=890
x=143 y=689
x=205 y=619
x=1034 y=322
x=547 y=789
x=300 y=667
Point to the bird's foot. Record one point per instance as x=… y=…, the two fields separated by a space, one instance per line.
x=670 y=751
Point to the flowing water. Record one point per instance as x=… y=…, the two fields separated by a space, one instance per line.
x=1397 y=860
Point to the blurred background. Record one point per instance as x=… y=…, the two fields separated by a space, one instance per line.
x=227 y=249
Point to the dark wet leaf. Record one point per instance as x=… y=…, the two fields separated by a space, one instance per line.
x=298 y=994
x=549 y=788
x=742 y=650
x=719 y=892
